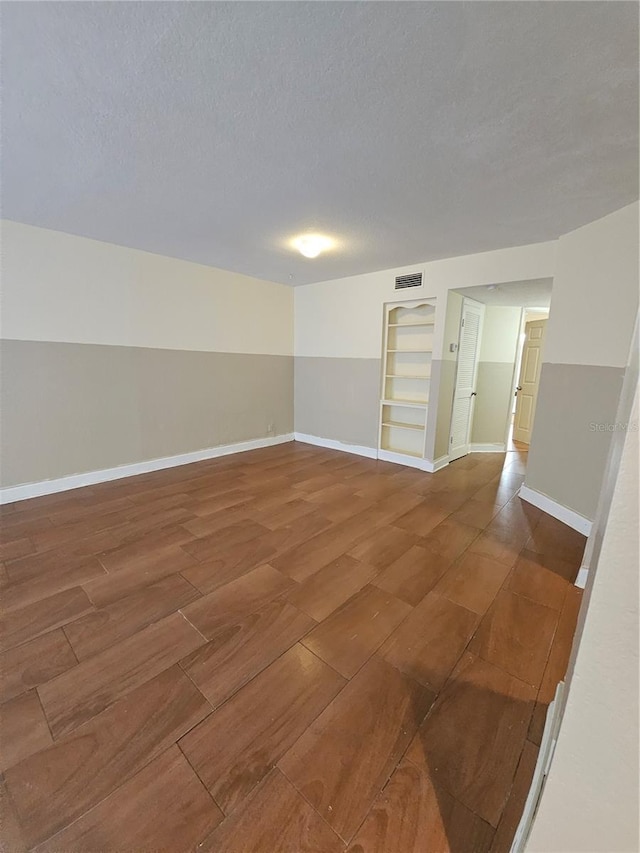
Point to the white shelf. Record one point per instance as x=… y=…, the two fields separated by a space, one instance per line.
x=407 y=376
x=406 y=372
x=410 y=404
x=408 y=325
x=413 y=453
x=398 y=425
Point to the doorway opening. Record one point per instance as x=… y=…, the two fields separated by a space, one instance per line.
x=489 y=386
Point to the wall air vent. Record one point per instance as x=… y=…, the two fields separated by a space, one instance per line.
x=414 y=279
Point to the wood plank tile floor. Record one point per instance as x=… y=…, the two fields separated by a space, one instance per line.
x=292 y=649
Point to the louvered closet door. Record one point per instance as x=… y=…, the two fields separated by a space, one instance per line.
x=466 y=375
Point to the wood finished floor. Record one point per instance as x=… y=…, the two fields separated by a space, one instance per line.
x=292 y=649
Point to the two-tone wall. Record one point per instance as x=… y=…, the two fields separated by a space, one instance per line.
x=593 y=310
x=591 y=795
x=338 y=339
x=113 y=356
x=494 y=386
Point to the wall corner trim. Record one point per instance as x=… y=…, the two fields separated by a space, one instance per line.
x=332 y=444
x=91 y=478
x=557 y=510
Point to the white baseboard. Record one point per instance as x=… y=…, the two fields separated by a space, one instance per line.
x=487 y=448
x=440 y=462
x=91 y=478
x=562 y=513
x=581 y=580
x=409 y=461
x=373 y=453
x=331 y=444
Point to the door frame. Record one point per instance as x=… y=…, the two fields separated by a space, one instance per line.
x=480 y=305
x=516 y=375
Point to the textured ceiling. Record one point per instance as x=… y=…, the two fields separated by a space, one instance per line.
x=534 y=293
x=409 y=131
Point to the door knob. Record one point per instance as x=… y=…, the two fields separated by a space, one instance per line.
x=473 y=394
x=519 y=388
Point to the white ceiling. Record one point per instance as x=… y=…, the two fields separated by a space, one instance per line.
x=533 y=293
x=410 y=131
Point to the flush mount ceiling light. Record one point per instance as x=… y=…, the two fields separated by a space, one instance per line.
x=311 y=245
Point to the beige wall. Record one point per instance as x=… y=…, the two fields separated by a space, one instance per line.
x=593 y=308
x=590 y=801
x=58 y=287
x=343 y=319
x=74 y=408
x=500 y=332
x=113 y=356
x=595 y=292
x=571 y=438
x=338 y=399
x=498 y=350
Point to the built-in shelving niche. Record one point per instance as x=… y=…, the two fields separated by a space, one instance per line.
x=408 y=338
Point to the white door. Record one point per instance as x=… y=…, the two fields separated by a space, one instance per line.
x=529 y=380
x=466 y=375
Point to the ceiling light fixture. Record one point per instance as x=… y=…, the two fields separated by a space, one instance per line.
x=310 y=245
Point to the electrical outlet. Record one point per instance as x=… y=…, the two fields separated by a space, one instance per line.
x=270 y=429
